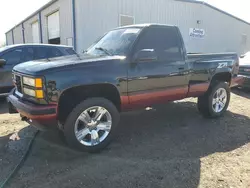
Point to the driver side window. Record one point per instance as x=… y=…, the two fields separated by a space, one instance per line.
x=13 y=57
x=164 y=41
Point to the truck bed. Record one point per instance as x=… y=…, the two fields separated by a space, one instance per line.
x=212 y=56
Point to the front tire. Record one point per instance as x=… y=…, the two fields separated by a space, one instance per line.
x=92 y=125
x=215 y=102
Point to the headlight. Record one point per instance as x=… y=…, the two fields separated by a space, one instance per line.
x=34 y=82
x=29 y=92
x=34 y=93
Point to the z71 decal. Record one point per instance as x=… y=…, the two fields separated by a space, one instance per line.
x=222 y=65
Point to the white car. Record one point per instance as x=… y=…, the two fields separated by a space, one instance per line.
x=245 y=69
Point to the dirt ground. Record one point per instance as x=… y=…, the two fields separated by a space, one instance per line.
x=170 y=146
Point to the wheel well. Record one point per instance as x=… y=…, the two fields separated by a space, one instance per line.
x=222 y=77
x=73 y=96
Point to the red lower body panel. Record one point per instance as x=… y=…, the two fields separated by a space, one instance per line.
x=139 y=100
x=196 y=90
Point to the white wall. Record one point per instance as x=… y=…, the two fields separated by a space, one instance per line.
x=18 y=34
x=44 y=14
x=9 y=38
x=65 y=13
x=95 y=17
x=35 y=32
x=223 y=33
x=66 y=21
x=28 y=28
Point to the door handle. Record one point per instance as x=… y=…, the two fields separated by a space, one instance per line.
x=182 y=71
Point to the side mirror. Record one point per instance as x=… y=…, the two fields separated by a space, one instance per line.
x=2 y=62
x=145 y=55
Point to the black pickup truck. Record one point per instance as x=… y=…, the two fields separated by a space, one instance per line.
x=129 y=67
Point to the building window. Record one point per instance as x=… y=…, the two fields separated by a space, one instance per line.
x=55 y=41
x=126 y=20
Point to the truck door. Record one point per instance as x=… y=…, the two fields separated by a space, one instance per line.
x=12 y=58
x=157 y=71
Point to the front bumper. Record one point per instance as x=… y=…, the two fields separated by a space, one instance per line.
x=41 y=116
x=246 y=81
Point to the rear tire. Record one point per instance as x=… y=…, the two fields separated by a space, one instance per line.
x=84 y=120
x=215 y=101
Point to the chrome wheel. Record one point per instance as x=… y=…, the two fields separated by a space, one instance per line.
x=219 y=100
x=93 y=126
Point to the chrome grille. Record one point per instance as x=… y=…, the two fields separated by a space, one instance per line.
x=244 y=71
x=18 y=82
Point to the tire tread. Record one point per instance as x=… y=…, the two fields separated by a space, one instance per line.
x=205 y=101
x=70 y=122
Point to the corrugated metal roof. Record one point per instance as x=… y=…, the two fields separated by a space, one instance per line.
x=215 y=8
x=36 y=12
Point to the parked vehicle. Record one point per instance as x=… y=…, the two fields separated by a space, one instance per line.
x=15 y=54
x=129 y=67
x=245 y=70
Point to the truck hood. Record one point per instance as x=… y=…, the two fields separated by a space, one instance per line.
x=39 y=67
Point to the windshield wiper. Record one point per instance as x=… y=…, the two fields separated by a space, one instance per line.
x=104 y=50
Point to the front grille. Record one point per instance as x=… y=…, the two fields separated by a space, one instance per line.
x=247 y=82
x=244 y=71
x=18 y=82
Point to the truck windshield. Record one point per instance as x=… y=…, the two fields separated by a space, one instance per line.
x=116 y=42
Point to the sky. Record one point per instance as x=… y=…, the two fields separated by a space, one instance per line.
x=14 y=11
x=238 y=8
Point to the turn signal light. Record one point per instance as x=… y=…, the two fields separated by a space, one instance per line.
x=39 y=94
x=38 y=82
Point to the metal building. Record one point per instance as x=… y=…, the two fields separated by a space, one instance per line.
x=80 y=22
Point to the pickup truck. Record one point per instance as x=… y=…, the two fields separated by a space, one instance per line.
x=244 y=70
x=129 y=67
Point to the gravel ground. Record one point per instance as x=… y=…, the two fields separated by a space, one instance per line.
x=168 y=146
x=14 y=138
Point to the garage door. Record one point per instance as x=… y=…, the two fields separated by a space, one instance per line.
x=54 y=28
x=35 y=32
